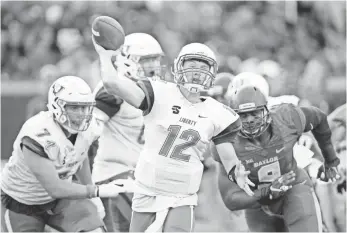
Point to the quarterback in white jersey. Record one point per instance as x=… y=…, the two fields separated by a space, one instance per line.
x=51 y=147
x=122 y=138
x=179 y=124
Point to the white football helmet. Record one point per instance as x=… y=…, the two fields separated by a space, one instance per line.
x=145 y=51
x=269 y=69
x=200 y=52
x=249 y=78
x=75 y=93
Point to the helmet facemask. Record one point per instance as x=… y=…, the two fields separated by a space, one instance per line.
x=254 y=128
x=74 y=116
x=148 y=65
x=195 y=79
x=151 y=66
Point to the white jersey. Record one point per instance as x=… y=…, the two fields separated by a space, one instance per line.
x=283 y=99
x=122 y=138
x=177 y=133
x=19 y=182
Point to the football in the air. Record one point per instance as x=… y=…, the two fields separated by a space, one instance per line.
x=108 y=33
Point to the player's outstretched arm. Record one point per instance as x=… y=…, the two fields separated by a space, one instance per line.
x=116 y=70
x=233 y=196
x=45 y=172
x=234 y=168
x=316 y=121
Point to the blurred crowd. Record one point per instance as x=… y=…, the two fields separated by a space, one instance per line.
x=299 y=46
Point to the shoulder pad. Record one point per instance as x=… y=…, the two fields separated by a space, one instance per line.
x=290 y=115
x=42 y=129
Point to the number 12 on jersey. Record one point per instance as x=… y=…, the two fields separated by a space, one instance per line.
x=191 y=137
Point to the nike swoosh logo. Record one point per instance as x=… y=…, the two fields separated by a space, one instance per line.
x=279 y=150
x=202 y=116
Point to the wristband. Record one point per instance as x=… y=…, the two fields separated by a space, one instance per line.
x=97 y=190
x=91 y=193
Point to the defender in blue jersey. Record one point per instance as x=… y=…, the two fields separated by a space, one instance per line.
x=283 y=197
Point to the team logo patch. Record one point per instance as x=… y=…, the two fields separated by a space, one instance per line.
x=247 y=106
x=176 y=109
x=44 y=133
x=57 y=88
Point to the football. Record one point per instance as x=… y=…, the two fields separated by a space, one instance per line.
x=108 y=33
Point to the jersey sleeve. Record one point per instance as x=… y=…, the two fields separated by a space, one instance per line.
x=106 y=102
x=33 y=146
x=292 y=116
x=147 y=86
x=227 y=125
x=41 y=142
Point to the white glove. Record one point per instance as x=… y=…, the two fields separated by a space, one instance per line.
x=110 y=190
x=127 y=67
x=129 y=186
x=241 y=178
x=99 y=206
x=116 y=61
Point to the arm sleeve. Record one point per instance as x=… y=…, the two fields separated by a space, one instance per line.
x=107 y=103
x=33 y=146
x=229 y=133
x=147 y=103
x=316 y=121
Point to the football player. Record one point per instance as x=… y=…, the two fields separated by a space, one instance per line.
x=51 y=147
x=305 y=158
x=122 y=138
x=332 y=196
x=179 y=124
x=283 y=199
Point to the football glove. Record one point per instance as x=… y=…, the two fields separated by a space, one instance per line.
x=99 y=206
x=110 y=190
x=126 y=66
x=277 y=188
x=328 y=171
x=239 y=175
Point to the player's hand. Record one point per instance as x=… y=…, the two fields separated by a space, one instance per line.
x=126 y=66
x=129 y=185
x=328 y=171
x=242 y=180
x=268 y=192
x=305 y=141
x=281 y=185
x=110 y=190
x=100 y=207
x=103 y=52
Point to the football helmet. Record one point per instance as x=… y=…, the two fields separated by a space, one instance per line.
x=199 y=52
x=269 y=69
x=248 y=99
x=249 y=78
x=146 y=53
x=71 y=102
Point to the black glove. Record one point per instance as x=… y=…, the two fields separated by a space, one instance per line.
x=328 y=171
x=276 y=189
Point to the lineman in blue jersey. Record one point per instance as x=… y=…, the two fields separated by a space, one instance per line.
x=122 y=138
x=51 y=147
x=179 y=124
x=284 y=199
